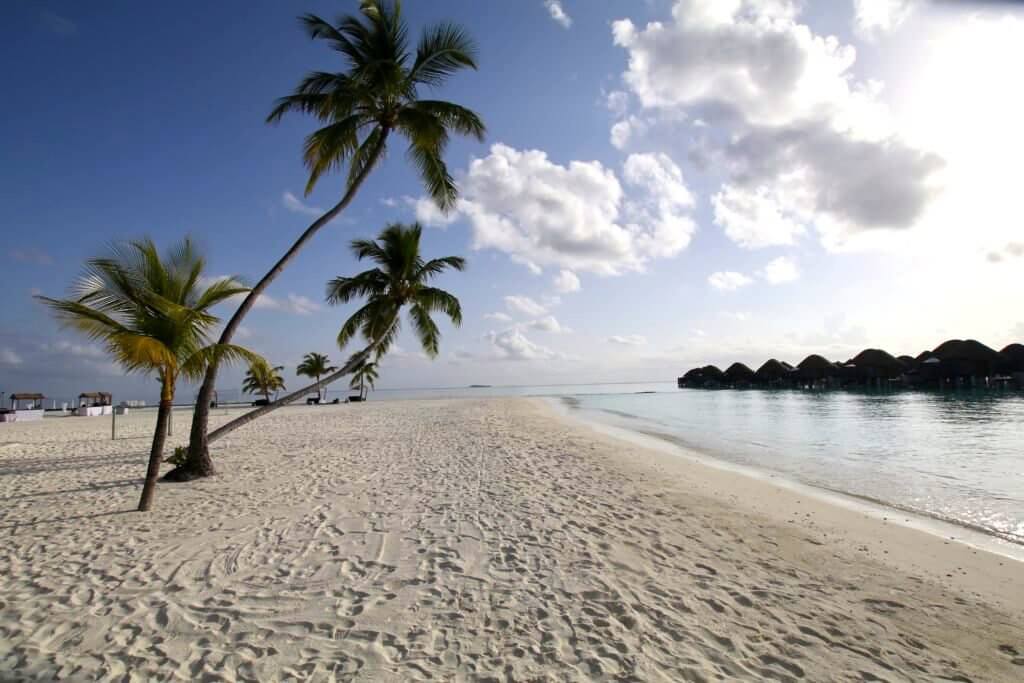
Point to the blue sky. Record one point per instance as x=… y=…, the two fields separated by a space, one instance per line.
x=664 y=183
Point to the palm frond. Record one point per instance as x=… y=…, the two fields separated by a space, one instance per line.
x=432 y=299
x=443 y=50
x=426 y=329
x=453 y=117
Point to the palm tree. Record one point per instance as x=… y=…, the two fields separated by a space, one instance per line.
x=365 y=375
x=263 y=379
x=152 y=314
x=315 y=365
x=376 y=94
x=401 y=279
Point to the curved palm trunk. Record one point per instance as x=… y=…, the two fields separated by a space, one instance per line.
x=198 y=463
x=319 y=392
x=348 y=368
x=156 y=453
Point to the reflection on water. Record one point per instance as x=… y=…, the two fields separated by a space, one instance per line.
x=955 y=456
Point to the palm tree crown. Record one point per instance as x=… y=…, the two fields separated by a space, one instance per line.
x=379 y=93
x=262 y=378
x=400 y=279
x=315 y=365
x=151 y=312
x=364 y=376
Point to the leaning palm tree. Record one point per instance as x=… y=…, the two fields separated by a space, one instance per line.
x=262 y=378
x=152 y=314
x=376 y=94
x=364 y=376
x=401 y=279
x=315 y=365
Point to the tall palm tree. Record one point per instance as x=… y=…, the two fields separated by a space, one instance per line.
x=152 y=313
x=400 y=279
x=364 y=376
x=262 y=378
x=376 y=94
x=315 y=365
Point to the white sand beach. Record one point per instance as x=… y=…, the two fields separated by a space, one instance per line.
x=467 y=540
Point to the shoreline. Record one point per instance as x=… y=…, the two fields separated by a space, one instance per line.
x=467 y=540
x=945 y=528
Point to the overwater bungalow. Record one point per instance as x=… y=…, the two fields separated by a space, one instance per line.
x=966 y=362
x=873 y=367
x=818 y=372
x=738 y=375
x=773 y=374
x=707 y=377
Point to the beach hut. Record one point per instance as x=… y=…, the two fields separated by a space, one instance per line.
x=874 y=366
x=739 y=375
x=690 y=378
x=817 y=371
x=25 y=407
x=94 y=404
x=773 y=373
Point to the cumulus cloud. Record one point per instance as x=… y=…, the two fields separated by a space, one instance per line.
x=780 y=270
x=627 y=340
x=499 y=317
x=427 y=212
x=873 y=17
x=728 y=280
x=525 y=305
x=78 y=350
x=9 y=357
x=547 y=324
x=513 y=345
x=296 y=205
x=566 y=282
x=558 y=13
x=580 y=216
x=807 y=143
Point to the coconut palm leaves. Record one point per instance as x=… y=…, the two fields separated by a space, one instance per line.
x=315 y=365
x=262 y=378
x=401 y=279
x=378 y=93
x=375 y=94
x=152 y=314
x=364 y=376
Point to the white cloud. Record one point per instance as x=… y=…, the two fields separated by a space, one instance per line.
x=79 y=350
x=499 y=317
x=753 y=218
x=558 y=13
x=548 y=324
x=9 y=357
x=807 y=143
x=428 y=214
x=617 y=102
x=1010 y=251
x=243 y=332
x=627 y=340
x=300 y=305
x=296 y=205
x=780 y=270
x=513 y=345
x=525 y=305
x=566 y=282
x=578 y=216
x=738 y=316
x=389 y=202
x=728 y=280
x=872 y=17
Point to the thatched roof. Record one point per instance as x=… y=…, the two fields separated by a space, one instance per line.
x=815 y=362
x=878 y=359
x=923 y=356
x=94 y=395
x=713 y=373
x=959 y=349
x=772 y=369
x=909 y=362
x=27 y=397
x=739 y=372
x=692 y=374
x=1014 y=354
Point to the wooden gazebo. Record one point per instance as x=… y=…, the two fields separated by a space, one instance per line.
x=95 y=398
x=34 y=411
x=36 y=399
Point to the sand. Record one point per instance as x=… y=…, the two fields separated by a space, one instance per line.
x=467 y=540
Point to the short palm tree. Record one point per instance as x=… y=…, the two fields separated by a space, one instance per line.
x=376 y=94
x=364 y=376
x=262 y=378
x=152 y=313
x=400 y=279
x=315 y=365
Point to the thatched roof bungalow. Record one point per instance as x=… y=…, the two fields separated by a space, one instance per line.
x=1013 y=358
x=738 y=375
x=875 y=364
x=707 y=377
x=967 y=359
x=816 y=367
x=773 y=373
